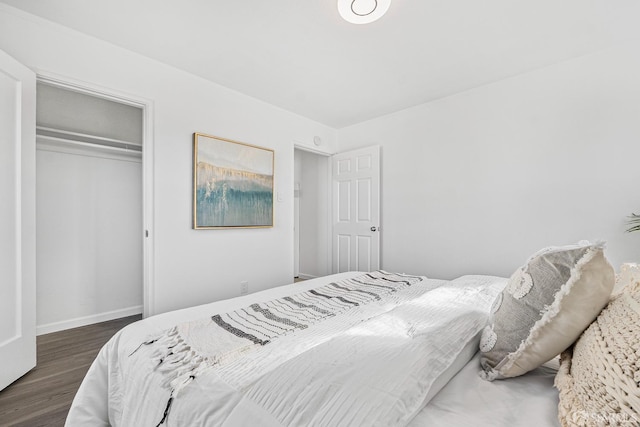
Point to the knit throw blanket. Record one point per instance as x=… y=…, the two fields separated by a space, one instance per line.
x=190 y=349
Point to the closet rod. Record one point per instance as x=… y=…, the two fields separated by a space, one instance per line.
x=84 y=137
x=90 y=144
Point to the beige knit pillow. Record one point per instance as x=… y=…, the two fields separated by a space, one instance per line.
x=546 y=305
x=600 y=383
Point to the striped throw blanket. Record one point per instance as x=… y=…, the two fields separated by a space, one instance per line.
x=190 y=349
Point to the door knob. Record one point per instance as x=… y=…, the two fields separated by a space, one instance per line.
x=374 y=229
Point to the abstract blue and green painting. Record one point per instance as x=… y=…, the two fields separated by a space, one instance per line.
x=233 y=184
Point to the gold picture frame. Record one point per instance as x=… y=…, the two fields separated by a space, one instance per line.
x=232 y=184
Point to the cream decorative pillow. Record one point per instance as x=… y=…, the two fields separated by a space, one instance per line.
x=629 y=273
x=600 y=383
x=544 y=308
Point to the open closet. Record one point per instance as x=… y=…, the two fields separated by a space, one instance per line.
x=89 y=208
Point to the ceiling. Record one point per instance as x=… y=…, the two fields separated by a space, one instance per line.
x=301 y=56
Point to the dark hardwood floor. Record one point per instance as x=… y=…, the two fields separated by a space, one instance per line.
x=42 y=397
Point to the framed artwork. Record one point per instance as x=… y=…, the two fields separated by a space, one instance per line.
x=232 y=184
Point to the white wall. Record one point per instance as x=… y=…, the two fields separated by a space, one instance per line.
x=472 y=183
x=312 y=171
x=89 y=236
x=191 y=267
x=476 y=182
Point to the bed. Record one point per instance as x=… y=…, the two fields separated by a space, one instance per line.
x=409 y=358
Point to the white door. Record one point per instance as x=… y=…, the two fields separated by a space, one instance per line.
x=17 y=220
x=356 y=210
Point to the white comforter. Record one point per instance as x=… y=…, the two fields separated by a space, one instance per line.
x=381 y=371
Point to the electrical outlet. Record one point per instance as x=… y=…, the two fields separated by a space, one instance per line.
x=244 y=288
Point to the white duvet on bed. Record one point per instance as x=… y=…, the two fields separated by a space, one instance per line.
x=379 y=372
x=530 y=400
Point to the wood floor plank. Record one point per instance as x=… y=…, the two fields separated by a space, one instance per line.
x=43 y=396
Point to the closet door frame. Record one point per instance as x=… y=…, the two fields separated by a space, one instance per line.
x=146 y=105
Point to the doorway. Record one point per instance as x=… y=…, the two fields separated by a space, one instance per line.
x=311 y=214
x=90 y=259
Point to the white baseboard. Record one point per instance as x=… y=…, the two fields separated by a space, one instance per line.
x=306 y=276
x=87 y=320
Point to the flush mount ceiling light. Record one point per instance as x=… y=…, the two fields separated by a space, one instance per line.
x=362 y=11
